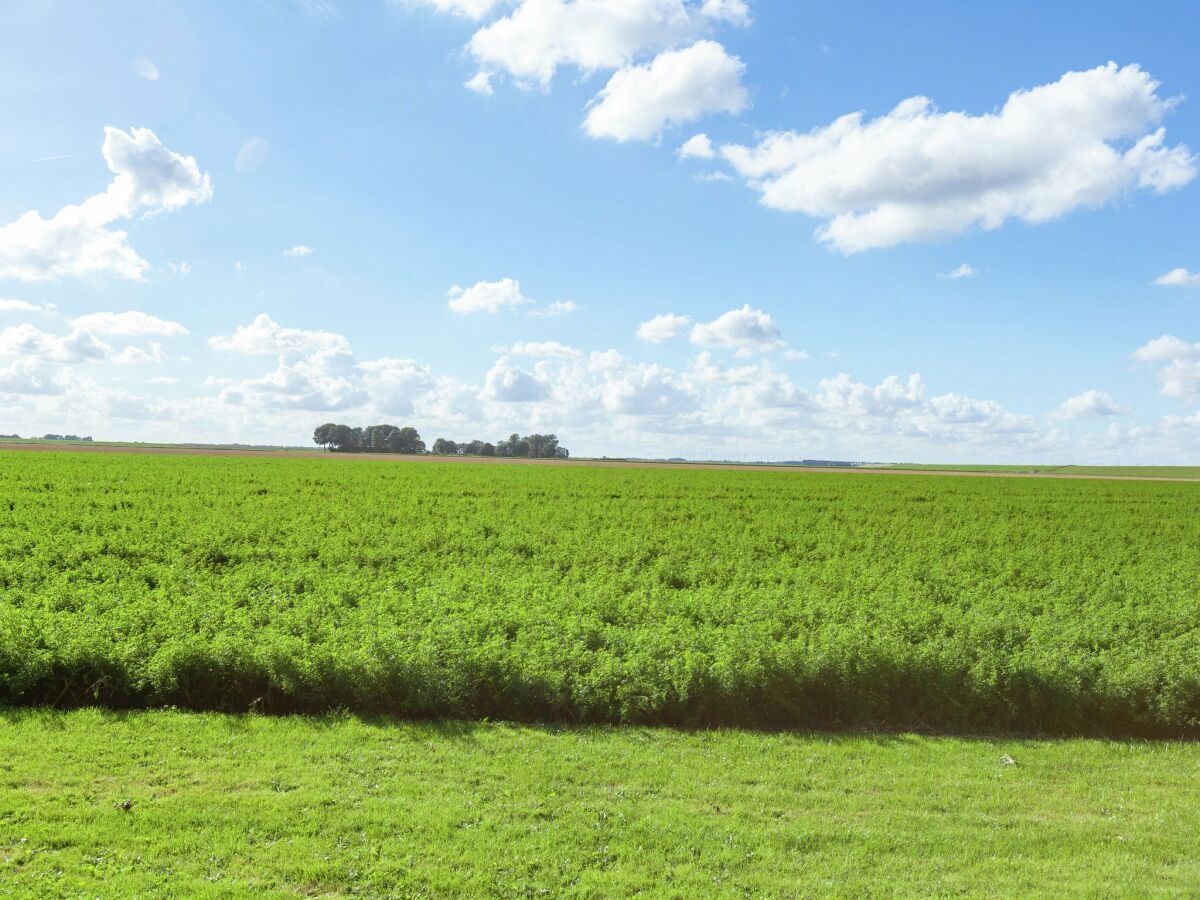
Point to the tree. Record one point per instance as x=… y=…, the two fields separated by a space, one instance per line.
x=542 y=446
x=445 y=447
x=376 y=437
x=405 y=440
x=514 y=446
x=343 y=438
x=323 y=436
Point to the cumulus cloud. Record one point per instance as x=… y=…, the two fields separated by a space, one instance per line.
x=698 y=146
x=264 y=336
x=917 y=173
x=148 y=179
x=487 y=297
x=31 y=343
x=1088 y=404
x=26 y=376
x=13 y=305
x=745 y=330
x=676 y=87
x=1179 y=278
x=298 y=251
x=1180 y=377
x=591 y=35
x=396 y=384
x=508 y=383
x=137 y=356
x=1165 y=349
x=663 y=327
x=128 y=324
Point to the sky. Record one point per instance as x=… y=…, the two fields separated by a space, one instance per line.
x=738 y=229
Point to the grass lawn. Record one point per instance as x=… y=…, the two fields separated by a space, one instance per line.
x=222 y=805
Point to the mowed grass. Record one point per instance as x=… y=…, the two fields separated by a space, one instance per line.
x=577 y=594
x=231 y=806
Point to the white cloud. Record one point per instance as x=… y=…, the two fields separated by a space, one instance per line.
x=239 y=266
x=396 y=384
x=676 y=87
x=145 y=68
x=1179 y=278
x=508 y=383
x=468 y=9
x=663 y=327
x=745 y=330
x=557 y=308
x=966 y=270
x=31 y=343
x=487 y=296
x=131 y=323
x=1180 y=377
x=264 y=336
x=11 y=305
x=1166 y=348
x=1089 y=403
x=298 y=251
x=26 y=376
x=136 y=356
x=735 y=12
x=180 y=269
x=591 y=35
x=252 y=154
x=544 y=350
x=148 y=179
x=480 y=83
x=917 y=173
x=698 y=146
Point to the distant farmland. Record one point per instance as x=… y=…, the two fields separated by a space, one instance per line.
x=574 y=593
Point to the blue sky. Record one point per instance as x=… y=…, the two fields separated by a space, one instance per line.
x=493 y=208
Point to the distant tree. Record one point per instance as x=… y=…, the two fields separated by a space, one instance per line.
x=445 y=447
x=343 y=438
x=323 y=436
x=514 y=446
x=405 y=440
x=477 y=448
x=376 y=437
x=542 y=446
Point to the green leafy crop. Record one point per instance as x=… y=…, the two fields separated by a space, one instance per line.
x=694 y=597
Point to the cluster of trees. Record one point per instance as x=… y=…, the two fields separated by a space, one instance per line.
x=394 y=439
x=531 y=446
x=373 y=439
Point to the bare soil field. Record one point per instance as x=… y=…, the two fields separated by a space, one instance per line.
x=614 y=463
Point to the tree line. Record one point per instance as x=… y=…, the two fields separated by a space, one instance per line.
x=396 y=439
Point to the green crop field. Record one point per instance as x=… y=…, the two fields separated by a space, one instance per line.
x=577 y=594
x=1188 y=472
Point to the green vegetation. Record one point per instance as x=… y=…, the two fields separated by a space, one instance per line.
x=689 y=596
x=232 y=806
x=1123 y=471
